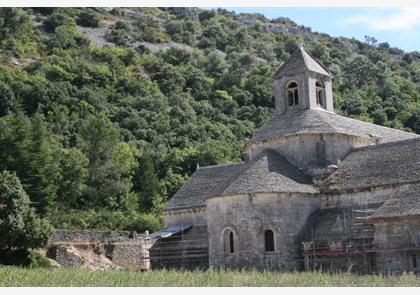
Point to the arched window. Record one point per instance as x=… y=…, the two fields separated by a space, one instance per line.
x=228 y=241
x=320 y=93
x=292 y=94
x=269 y=240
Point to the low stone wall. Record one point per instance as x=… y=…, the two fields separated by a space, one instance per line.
x=65 y=256
x=92 y=236
x=100 y=249
x=128 y=256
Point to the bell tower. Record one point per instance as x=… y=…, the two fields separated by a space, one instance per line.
x=302 y=83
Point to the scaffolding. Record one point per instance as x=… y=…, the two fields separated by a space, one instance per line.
x=359 y=243
x=186 y=250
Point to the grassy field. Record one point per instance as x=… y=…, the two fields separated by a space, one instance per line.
x=23 y=277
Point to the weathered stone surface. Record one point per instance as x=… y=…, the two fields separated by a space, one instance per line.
x=129 y=255
x=65 y=256
x=91 y=236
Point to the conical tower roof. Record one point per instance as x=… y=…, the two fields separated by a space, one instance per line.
x=299 y=62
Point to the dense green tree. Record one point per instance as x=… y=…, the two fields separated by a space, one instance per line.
x=111 y=163
x=57 y=19
x=20 y=227
x=89 y=18
x=18 y=35
x=29 y=151
x=7 y=99
x=239 y=63
x=42 y=174
x=12 y=22
x=74 y=173
x=359 y=71
x=215 y=64
x=146 y=183
x=67 y=37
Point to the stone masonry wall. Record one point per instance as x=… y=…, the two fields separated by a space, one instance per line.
x=401 y=237
x=248 y=216
x=91 y=236
x=100 y=249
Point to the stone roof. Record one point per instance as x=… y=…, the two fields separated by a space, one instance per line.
x=403 y=202
x=321 y=121
x=269 y=172
x=201 y=184
x=300 y=61
x=393 y=163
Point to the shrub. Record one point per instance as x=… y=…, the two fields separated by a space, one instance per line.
x=25 y=258
x=37 y=260
x=88 y=18
x=56 y=20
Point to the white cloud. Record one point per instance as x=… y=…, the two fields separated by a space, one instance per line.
x=403 y=19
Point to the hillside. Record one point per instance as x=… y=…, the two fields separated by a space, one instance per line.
x=106 y=112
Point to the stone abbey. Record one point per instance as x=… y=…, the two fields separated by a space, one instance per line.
x=316 y=189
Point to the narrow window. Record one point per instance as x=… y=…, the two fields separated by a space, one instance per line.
x=292 y=94
x=231 y=242
x=290 y=97
x=228 y=242
x=414 y=261
x=320 y=90
x=269 y=240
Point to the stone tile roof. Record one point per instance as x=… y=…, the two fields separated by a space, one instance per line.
x=321 y=121
x=301 y=61
x=403 y=202
x=269 y=172
x=202 y=183
x=393 y=163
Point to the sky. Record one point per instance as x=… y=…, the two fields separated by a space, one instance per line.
x=394 y=21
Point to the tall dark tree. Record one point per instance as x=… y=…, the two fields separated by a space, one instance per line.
x=20 y=227
x=146 y=183
x=111 y=163
x=28 y=151
x=43 y=169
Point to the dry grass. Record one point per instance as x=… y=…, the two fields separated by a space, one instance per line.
x=60 y=277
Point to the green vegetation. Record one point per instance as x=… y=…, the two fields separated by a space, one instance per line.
x=20 y=228
x=101 y=136
x=24 y=258
x=19 y=277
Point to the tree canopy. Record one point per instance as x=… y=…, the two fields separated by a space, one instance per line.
x=20 y=227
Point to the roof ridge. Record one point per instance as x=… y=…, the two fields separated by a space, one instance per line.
x=219 y=165
x=311 y=121
x=385 y=144
x=302 y=52
x=311 y=56
x=376 y=125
